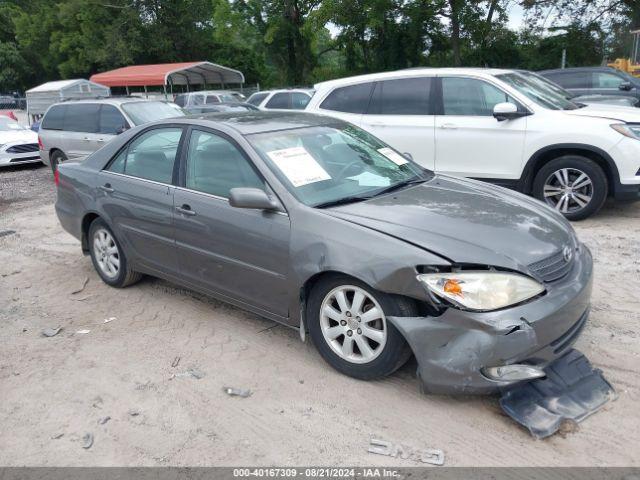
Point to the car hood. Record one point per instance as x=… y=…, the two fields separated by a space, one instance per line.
x=612 y=112
x=466 y=222
x=12 y=136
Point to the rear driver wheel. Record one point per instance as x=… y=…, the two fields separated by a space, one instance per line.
x=108 y=257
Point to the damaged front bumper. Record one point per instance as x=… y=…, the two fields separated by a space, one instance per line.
x=452 y=349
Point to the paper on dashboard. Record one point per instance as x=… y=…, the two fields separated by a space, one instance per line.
x=395 y=157
x=298 y=166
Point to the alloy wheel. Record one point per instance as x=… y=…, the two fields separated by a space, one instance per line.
x=353 y=324
x=106 y=253
x=568 y=190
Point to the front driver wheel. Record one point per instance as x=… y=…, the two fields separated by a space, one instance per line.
x=108 y=257
x=348 y=324
x=573 y=185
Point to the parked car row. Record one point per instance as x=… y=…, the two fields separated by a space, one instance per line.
x=516 y=129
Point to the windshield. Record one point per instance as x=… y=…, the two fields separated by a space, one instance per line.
x=144 y=112
x=332 y=164
x=8 y=125
x=536 y=90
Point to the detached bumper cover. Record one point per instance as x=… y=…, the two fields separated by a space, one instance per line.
x=572 y=390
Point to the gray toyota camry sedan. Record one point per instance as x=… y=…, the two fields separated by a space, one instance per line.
x=314 y=223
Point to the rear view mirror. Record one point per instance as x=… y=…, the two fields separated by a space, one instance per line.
x=252 y=198
x=626 y=86
x=506 y=111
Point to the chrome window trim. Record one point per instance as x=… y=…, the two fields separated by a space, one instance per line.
x=137 y=178
x=210 y=195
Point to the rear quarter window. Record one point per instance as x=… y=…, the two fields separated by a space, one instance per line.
x=257 y=98
x=54 y=118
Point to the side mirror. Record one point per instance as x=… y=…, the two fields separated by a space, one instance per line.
x=506 y=111
x=625 y=86
x=122 y=129
x=252 y=198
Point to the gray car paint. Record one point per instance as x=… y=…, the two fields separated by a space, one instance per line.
x=443 y=223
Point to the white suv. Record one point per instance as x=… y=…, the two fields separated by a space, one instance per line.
x=502 y=126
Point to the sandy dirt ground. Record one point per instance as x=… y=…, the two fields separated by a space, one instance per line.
x=133 y=369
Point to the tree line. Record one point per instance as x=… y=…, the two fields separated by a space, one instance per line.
x=299 y=42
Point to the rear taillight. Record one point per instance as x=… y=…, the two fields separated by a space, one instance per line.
x=56 y=177
x=40 y=145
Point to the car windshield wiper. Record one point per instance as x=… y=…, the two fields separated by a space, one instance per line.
x=399 y=185
x=343 y=201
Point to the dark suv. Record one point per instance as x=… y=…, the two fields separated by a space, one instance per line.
x=595 y=80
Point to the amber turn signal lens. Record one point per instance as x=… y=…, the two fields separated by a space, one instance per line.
x=453 y=287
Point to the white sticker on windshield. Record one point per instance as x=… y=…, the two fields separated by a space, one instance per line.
x=393 y=156
x=299 y=166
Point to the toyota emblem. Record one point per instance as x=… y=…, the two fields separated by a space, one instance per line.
x=567 y=253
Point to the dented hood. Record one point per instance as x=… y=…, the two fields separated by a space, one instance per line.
x=465 y=221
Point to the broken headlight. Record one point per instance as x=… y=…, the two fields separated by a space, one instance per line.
x=481 y=291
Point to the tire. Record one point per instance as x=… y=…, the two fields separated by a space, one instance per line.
x=389 y=355
x=55 y=158
x=556 y=182
x=104 y=247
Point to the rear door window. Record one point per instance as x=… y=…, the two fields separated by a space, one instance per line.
x=54 y=118
x=112 y=122
x=82 y=117
x=150 y=156
x=405 y=96
x=279 y=101
x=350 y=99
x=212 y=99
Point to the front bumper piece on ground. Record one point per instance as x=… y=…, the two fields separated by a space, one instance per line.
x=571 y=391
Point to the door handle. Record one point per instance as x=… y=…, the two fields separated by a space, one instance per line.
x=101 y=140
x=449 y=126
x=186 y=210
x=106 y=188
x=86 y=139
x=377 y=124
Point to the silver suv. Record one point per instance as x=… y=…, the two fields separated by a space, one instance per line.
x=76 y=129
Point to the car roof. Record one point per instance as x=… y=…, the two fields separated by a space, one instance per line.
x=578 y=69
x=209 y=92
x=250 y=122
x=412 y=72
x=281 y=90
x=109 y=100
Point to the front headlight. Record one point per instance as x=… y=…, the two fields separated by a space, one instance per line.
x=482 y=290
x=627 y=129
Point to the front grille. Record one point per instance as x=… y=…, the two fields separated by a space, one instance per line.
x=552 y=268
x=23 y=159
x=25 y=148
